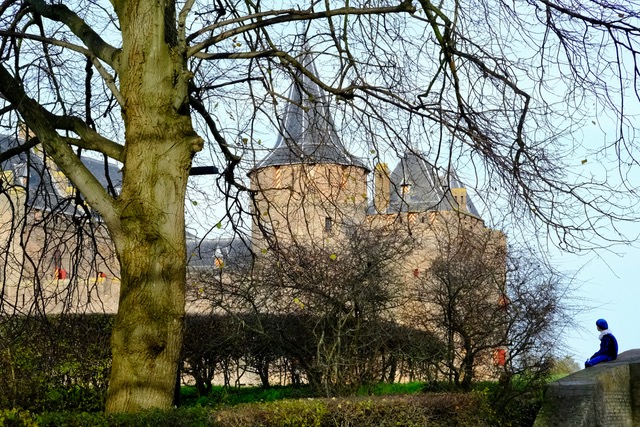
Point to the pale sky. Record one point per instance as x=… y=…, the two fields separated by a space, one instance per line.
x=610 y=287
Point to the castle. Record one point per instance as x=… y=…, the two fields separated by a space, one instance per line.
x=308 y=191
x=311 y=201
x=55 y=252
x=308 y=188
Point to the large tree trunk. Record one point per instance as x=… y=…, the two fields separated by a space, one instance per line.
x=147 y=335
x=150 y=233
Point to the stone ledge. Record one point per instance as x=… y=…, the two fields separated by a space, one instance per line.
x=607 y=394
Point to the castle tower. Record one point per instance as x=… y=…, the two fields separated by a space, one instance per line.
x=309 y=187
x=418 y=186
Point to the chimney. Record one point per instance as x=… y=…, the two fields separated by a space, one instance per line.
x=382 y=190
x=460 y=197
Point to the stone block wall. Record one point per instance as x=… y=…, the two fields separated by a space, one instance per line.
x=605 y=395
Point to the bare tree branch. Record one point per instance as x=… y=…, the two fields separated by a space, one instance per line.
x=292 y=16
x=40 y=121
x=95 y=43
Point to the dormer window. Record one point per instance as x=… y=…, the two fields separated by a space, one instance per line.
x=460 y=198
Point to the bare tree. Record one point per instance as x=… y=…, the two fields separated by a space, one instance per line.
x=500 y=313
x=337 y=303
x=461 y=296
x=493 y=84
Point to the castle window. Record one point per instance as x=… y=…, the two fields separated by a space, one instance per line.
x=328 y=225
x=59 y=273
x=277 y=177
x=499 y=357
x=311 y=171
x=100 y=277
x=503 y=302
x=218 y=259
x=345 y=178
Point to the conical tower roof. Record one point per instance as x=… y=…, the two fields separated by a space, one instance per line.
x=307 y=132
x=419 y=186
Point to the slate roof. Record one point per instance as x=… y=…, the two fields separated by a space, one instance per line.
x=31 y=172
x=201 y=253
x=307 y=132
x=418 y=186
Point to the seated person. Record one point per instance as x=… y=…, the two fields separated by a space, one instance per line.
x=608 y=345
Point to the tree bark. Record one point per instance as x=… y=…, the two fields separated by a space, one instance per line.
x=150 y=234
x=147 y=335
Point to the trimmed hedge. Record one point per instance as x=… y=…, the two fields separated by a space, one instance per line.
x=62 y=363
x=437 y=410
x=55 y=364
x=425 y=410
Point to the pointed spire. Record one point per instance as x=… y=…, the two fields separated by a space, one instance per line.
x=307 y=132
x=419 y=186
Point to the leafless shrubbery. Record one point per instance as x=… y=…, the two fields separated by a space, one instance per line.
x=331 y=311
x=505 y=310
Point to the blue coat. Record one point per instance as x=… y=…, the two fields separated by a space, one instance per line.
x=608 y=347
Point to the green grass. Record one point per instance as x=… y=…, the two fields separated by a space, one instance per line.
x=386 y=389
x=230 y=396
x=236 y=395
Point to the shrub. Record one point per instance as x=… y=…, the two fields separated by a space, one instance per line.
x=189 y=417
x=56 y=363
x=16 y=418
x=425 y=410
x=436 y=410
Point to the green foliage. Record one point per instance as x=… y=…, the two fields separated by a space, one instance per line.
x=436 y=410
x=292 y=413
x=515 y=404
x=508 y=405
x=16 y=418
x=562 y=367
x=371 y=351
x=287 y=406
x=185 y=417
x=231 y=396
x=55 y=363
x=63 y=365
x=236 y=395
x=386 y=389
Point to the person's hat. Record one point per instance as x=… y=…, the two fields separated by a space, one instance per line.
x=602 y=324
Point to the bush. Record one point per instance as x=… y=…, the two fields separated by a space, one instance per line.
x=433 y=410
x=436 y=410
x=189 y=417
x=425 y=410
x=16 y=418
x=236 y=395
x=515 y=404
x=55 y=363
